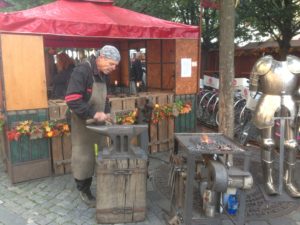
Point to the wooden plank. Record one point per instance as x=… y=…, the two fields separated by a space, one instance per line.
x=162 y=99
x=61 y=146
x=54 y=111
x=2 y=96
x=105 y=185
x=153 y=51
x=23 y=60
x=153 y=131
x=140 y=182
x=116 y=104
x=186 y=48
x=67 y=152
x=154 y=76
x=129 y=103
x=63 y=107
x=168 y=77
x=171 y=126
x=123 y=76
x=57 y=155
x=168 y=51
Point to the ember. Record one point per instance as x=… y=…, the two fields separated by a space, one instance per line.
x=211 y=143
x=205 y=139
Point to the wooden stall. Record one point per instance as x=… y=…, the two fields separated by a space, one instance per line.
x=24 y=98
x=23 y=95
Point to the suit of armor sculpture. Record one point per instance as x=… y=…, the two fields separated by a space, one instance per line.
x=278 y=83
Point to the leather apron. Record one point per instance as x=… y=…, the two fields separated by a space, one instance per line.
x=83 y=139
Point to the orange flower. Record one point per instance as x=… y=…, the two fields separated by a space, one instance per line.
x=66 y=128
x=49 y=134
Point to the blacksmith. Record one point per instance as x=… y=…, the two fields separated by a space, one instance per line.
x=87 y=99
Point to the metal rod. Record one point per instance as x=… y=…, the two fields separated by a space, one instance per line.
x=188 y=203
x=281 y=148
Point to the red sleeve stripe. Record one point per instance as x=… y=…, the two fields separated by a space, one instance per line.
x=89 y=90
x=73 y=97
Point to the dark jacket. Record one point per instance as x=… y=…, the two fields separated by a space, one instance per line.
x=136 y=72
x=80 y=89
x=60 y=82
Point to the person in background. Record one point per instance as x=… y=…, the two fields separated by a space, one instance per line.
x=87 y=99
x=137 y=68
x=136 y=73
x=50 y=69
x=65 y=66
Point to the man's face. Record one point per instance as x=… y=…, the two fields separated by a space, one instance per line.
x=106 y=65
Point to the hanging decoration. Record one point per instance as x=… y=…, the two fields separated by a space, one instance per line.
x=35 y=130
x=161 y=112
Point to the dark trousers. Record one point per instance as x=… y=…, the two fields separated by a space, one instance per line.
x=84 y=185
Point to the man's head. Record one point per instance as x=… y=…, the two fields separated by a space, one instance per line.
x=108 y=58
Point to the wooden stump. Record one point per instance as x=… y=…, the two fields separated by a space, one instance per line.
x=121 y=190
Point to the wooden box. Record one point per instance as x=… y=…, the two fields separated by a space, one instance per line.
x=161 y=135
x=121 y=190
x=61 y=147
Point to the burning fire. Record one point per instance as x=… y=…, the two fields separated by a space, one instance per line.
x=205 y=139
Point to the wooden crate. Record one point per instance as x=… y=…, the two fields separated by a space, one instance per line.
x=161 y=135
x=121 y=190
x=61 y=147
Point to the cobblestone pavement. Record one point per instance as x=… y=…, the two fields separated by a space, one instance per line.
x=55 y=200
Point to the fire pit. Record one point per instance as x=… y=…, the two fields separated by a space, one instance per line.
x=208 y=143
x=221 y=175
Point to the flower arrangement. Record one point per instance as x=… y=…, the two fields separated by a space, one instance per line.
x=161 y=112
x=127 y=118
x=37 y=130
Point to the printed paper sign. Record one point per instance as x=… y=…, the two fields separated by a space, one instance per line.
x=186 y=67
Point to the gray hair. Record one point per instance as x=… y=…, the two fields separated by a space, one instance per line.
x=109 y=52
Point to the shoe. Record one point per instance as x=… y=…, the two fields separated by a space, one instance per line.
x=88 y=198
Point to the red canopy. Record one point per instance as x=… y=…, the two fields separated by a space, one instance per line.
x=91 y=19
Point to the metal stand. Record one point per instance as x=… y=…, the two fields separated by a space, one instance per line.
x=192 y=155
x=282 y=119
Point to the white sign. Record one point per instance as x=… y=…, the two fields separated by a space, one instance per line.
x=186 y=67
x=211 y=81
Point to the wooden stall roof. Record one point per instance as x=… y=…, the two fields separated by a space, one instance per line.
x=73 y=19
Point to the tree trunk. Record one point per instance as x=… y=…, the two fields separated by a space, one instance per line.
x=226 y=115
x=284 y=47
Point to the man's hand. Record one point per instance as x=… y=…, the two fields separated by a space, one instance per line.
x=101 y=116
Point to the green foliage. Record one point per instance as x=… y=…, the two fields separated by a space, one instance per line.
x=24 y=4
x=278 y=18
